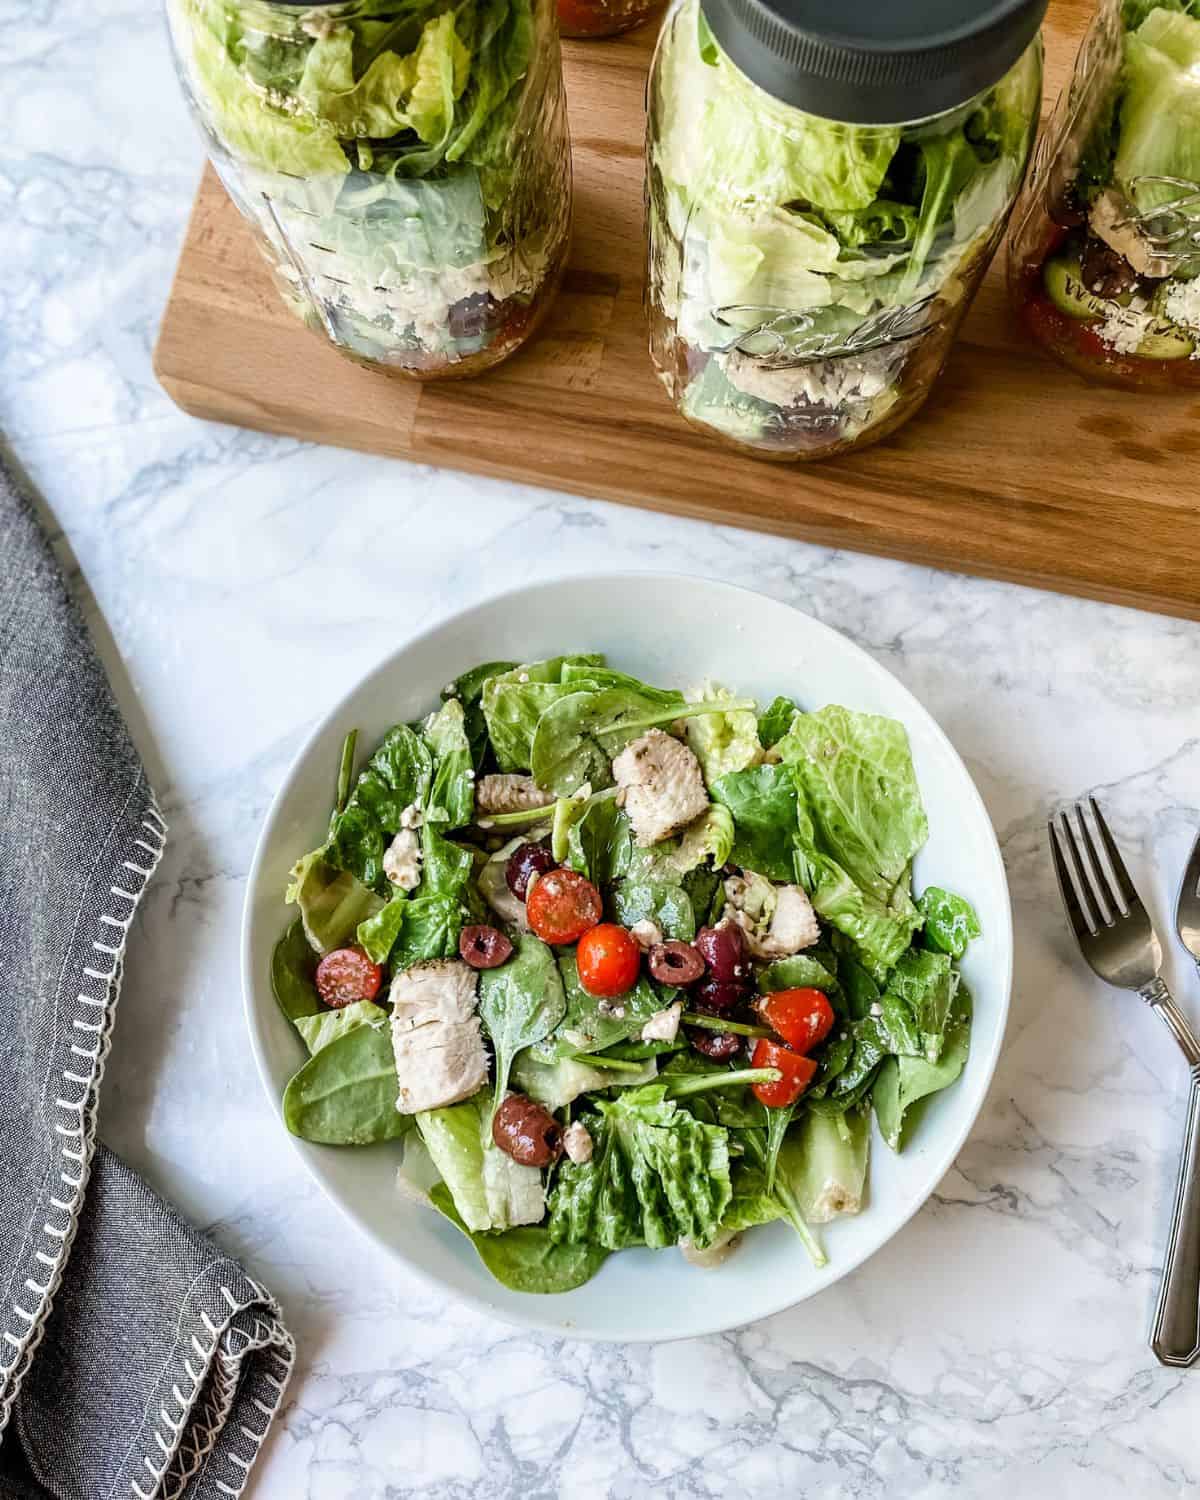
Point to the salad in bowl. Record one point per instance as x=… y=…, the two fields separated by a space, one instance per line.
x=609 y=965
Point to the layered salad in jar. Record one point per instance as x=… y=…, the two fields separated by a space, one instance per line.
x=584 y=19
x=1106 y=264
x=806 y=276
x=406 y=167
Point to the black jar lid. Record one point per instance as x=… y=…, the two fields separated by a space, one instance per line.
x=874 y=62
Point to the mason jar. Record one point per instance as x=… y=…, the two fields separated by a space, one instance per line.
x=405 y=165
x=1104 y=267
x=585 y=19
x=825 y=189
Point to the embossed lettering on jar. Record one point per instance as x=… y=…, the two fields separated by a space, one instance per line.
x=405 y=167
x=818 y=229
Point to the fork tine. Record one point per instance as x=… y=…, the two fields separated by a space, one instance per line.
x=1112 y=905
x=1074 y=892
x=1131 y=900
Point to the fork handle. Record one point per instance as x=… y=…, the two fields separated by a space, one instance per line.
x=1161 y=1001
x=1176 y=1335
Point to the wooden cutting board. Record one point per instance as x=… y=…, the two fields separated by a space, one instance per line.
x=1015 y=469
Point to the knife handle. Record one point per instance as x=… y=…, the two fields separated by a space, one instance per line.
x=1176 y=1335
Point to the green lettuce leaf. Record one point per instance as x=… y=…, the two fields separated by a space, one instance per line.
x=319 y=1030
x=332 y=901
x=558 y=1083
x=1159 y=121
x=708 y=840
x=468 y=689
x=377 y=935
x=722 y=742
x=490 y=1190
x=600 y=841
x=663 y=902
x=824 y=1163
x=431 y=928
x=775 y=721
x=586 y=1027
x=903 y=1081
x=371 y=105
x=657 y=1175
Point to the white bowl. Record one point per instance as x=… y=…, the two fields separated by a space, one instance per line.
x=676 y=631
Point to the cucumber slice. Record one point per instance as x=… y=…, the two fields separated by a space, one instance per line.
x=1065 y=288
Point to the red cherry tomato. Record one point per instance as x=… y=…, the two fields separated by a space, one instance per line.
x=609 y=960
x=797 y=1073
x=801 y=1017
x=562 y=906
x=347 y=975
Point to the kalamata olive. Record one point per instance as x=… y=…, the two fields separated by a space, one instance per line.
x=675 y=963
x=721 y=1046
x=719 y=994
x=1103 y=271
x=527 y=1132
x=723 y=950
x=523 y=864
x=484 y=947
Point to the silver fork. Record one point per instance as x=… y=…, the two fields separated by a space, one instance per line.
x=1116 y=936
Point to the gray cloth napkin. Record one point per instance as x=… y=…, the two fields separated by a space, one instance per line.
x=136 y=1359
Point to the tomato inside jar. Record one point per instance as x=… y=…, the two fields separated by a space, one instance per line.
x=585 y=19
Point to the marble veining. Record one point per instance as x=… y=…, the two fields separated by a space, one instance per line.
x=236 y=583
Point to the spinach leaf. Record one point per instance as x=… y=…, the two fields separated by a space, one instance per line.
x=861 y=990
x=950 y=921
x=345 y=1095
x=293 y=966
x=775 y=721
x=722 y=742
x=490 y=1190
x=902 y=1081
x=514 y=701
x=445 y=866
x=657 y=1175
x=332 y=902
x=801 y=971
x=578 y=674
x=778 y=1121
x=591 y=1025
x=377 y=935
x=526 y=1259
x=431 y=929
x=319 y=1030
x=870 y=1044
x=451 y=799
x=600 y=842
x=520 y=1003
x=762 y=801
x=468 y=689
x=916 y=1004
x=397 y=775
x=559 y=1083
x=664 y=903
x=578 y=736
x=706 y=893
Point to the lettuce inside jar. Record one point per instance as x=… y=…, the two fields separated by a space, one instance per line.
x=405 y=167
x=1105 y=266
x=807 y=272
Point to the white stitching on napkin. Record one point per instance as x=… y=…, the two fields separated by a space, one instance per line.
x=57 y=1239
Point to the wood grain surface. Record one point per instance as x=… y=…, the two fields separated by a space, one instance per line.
x=1015 y=468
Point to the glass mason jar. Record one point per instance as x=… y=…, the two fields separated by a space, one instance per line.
x=584 y=19
x=1104 y=267
x=405 y=165
x=817 y=228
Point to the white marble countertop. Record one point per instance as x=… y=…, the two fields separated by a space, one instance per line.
x=237 y=583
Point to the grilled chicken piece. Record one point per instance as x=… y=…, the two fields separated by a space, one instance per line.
x=661 y=786
x=792 y=927
x=509 y=794
x=438 y=1046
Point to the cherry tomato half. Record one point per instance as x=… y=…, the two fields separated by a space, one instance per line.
x=347 y=975
x=801 y=1017
x=562 y=906
x=797 y=1073
x=609 y=960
